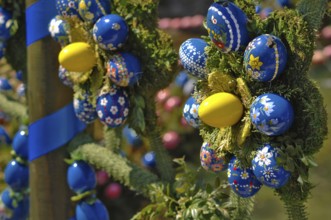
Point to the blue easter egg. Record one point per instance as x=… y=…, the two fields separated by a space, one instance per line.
x=92 y=10
x=284 y=3
x=64 y=77
x=193 y=57
x=68 y=8
x=124 y=69
x=19 y=75
x=20 y=90
x=265 y=58
x=59 y=30
x=132 y=137
x=226 y=26
x=110 y=32
x=4 y=84
x=190 y=112
x=267 y=170
x=181 y=79
x=4 y=137
x=113 y=107
x=95 y=211
x=242 y=180
x=22 y=209
x=7 y=199
x=6 y=24
x=81 y=177
x=20 y=143
x=84 y=109
x=271 y=114
x=258 y=9
x=17 y=175
x=210 y=160
x=2 y=49
x=149 y=159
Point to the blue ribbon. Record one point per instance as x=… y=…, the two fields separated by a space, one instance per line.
x=38 y=16
x=53 y=131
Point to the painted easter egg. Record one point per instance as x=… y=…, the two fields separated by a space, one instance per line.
x=271 y=114
x=265 y=58
x=4 y=84
x=68 y=8
x=64 y=77
x=84 y=109
x=124 y=69
x=190 y=112
x=4 y=137
x=242 y=180
x=17 y=175
x=110 y=32
x=149 y=159
x=59 y=30
x=95 y=211
x=21 y=211
x=221 y=110
x=20 y=143
x=266 y=168
x=2 y=49
x=81 y=177
x=226 y=26
x=113 y=107
x=193 y=57
x=210 y=160
x=92 y=10
x=77 y=57
x=7 y=24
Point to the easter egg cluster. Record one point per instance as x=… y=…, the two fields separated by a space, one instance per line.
x=109 y=32
x=8 y=28
x=264 y=60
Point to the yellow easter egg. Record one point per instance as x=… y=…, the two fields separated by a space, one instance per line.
x=221 y=110
x=77 y=57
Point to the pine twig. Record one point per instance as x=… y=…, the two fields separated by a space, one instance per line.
x=163 y=159
x=12 y=108
x=117 y=167
x=243 y=207
x=113 y=138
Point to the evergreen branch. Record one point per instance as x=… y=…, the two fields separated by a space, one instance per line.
x=243 y=207
x=113 y=138
x=313 y=11
x=163 y=159
x=117 y=167
x=12 y=108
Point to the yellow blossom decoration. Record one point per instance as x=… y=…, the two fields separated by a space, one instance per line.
x=255 y=62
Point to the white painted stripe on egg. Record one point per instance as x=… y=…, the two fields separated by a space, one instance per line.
x=237 y=28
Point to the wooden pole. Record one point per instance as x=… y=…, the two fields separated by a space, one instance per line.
x=50 y=195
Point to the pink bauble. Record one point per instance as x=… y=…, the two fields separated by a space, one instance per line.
x=327 y=51
x=102 y=177
x=162 y=95
x=170 y=140
x=113 y=191
x=318 y=57
x=172 y=103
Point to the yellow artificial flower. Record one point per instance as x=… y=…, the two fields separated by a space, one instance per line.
x=255 y=62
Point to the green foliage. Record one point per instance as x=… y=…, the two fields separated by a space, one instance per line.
x=194 y=198
x=243 y=207
x=313 y=11
x=14 y=109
